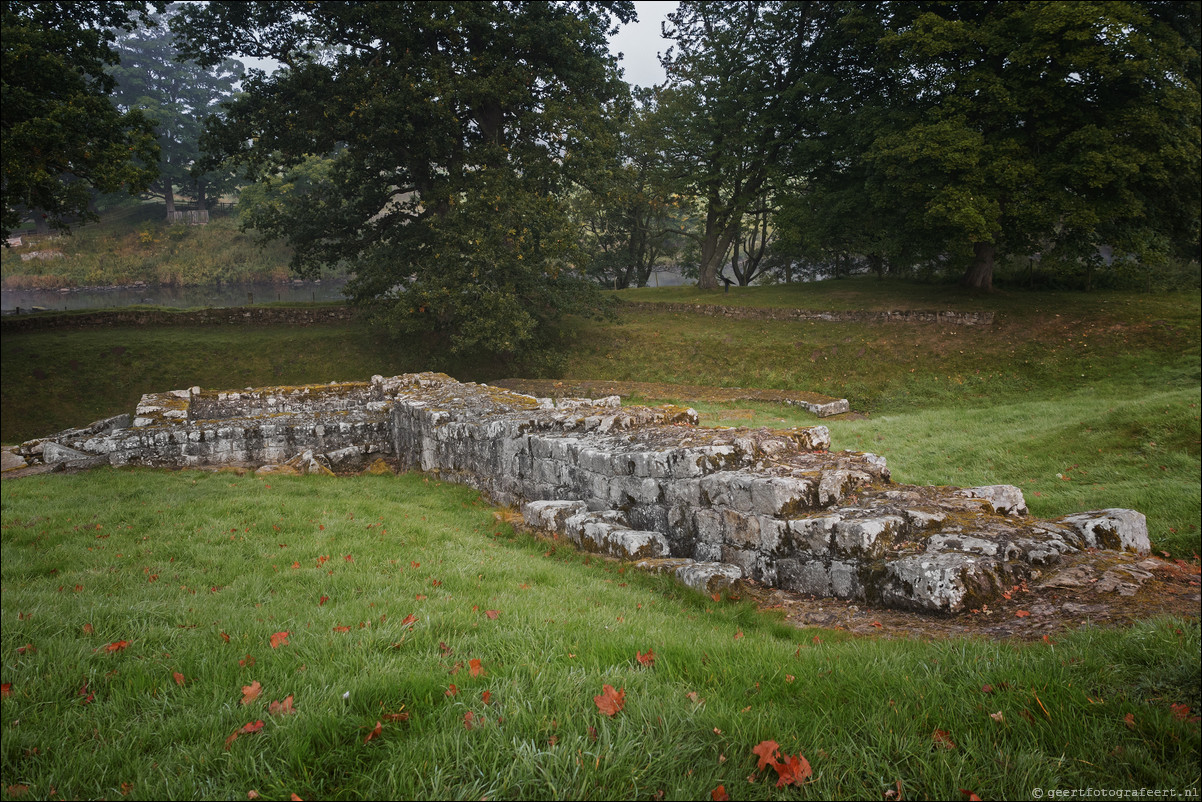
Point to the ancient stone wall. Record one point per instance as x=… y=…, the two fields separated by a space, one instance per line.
x=844 y=315
x=711 y=505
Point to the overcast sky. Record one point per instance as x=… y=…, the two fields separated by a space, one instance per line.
x=640 y=42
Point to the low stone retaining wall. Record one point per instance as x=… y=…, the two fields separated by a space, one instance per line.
x=253 y=315
x=851 y=315
x=712 y=506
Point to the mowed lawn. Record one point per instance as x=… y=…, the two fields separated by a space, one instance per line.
x=189 y=635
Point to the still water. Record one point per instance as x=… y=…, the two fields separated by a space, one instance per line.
x=179 y=297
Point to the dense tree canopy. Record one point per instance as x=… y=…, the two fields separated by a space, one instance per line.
x=177 y=96
x=62 y=138
x=451 y=129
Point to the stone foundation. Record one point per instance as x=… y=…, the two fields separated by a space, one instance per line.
x=712 y=506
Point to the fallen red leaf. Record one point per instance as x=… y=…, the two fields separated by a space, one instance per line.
x=969 y=795
x=247 y=661
x=251 y=692
x=18 y=790
x=473 y=667
x=283 y=708
x=719 y=794
x=877 y=624
x=792 y=771
x=647 y=659
x=87 y=629
x=943 y=739
x=738 y=635
x=610 y=701
x=492 y=614
x=322 y=600
x=116 y=646
x=178 y=677
x=469 y=719
x=279 y=639
x=342 y=629
x=486 y=697
x=694 y=697
x=29 y=647
x=409 y=619
x=1022 y=613
x=225 y=637
x=1129 y=720
x=6 y=690
x=245 y=729
x=1181 y=711
x=252 y=793
x=375 y=733
x=767 y=752
x=452 y=690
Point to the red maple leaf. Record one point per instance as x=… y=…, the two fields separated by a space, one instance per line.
x=178 y=677
x=793 y=771
x=375 y=733
x=486 y=697
x=943 y=739
x=452 y=690
x=492 y=614
x=225 y=637
x=610 y=701
x=647 y=659
x=969 y=795
x=116 y=646
x=409 y=619
x=322 y=600
x=767 y=751
x=719 y=794
x=251 y=692
x=342 y=629
x=473 y=667
x=469 y=719
x=1022 y=613
x=279 y=639
x=283 y=708
x=245 y=729
x=6 y=690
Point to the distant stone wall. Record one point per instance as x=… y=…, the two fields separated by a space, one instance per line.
x=848 y=315
x=712 y=506
x=248 y=315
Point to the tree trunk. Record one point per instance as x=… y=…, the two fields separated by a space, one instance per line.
x=979 y=275
x=40 y=226
x=713 y=249
x=201 y=201
x=169 y=197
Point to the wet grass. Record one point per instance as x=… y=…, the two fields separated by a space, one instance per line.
x=139 y=608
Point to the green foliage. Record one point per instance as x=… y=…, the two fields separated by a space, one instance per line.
x=449 y=129
x=177 y=96
x=1017 y=128
x=62 y=138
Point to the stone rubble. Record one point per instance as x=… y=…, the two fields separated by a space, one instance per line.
x=712 y=506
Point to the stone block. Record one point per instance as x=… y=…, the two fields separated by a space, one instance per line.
x=709 y=577
x=1118 y=529
x=1005 y=499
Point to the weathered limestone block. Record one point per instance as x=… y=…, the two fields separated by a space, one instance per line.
x=1006 y=499
x=709 y=577
x=1118 y=529
x=52 y=452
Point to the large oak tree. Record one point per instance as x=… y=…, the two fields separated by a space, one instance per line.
x=452 y=129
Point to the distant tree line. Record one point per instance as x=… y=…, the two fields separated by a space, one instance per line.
x=481 y=169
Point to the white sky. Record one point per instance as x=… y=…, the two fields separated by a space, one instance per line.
x=640 y=43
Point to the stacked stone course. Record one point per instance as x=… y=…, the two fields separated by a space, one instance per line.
x=711 y=505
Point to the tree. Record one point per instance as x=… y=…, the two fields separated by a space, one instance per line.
x=177 y=96
x=61 y=137
x=740 y=91
x=631 y=216
x=452 y=128
x=1055 y=127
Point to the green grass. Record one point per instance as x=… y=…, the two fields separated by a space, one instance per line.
x=175 y=563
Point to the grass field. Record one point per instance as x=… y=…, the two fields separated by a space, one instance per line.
x=115 y=582
x=149 y=617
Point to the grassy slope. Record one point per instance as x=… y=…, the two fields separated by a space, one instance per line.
x=192 y=573
x=135 y=244
x=1101 y=388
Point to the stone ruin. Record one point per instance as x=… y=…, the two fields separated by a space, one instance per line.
x=712 y=506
